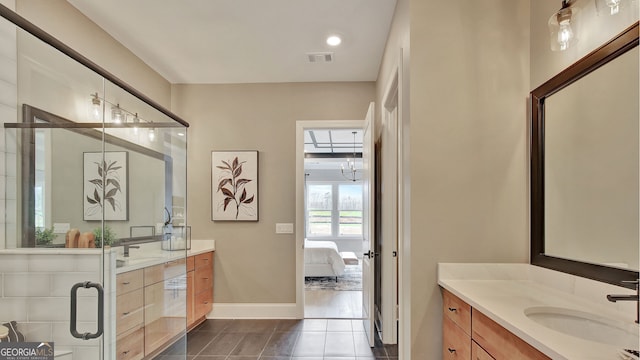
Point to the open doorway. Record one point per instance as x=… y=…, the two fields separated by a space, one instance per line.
x=333 y=223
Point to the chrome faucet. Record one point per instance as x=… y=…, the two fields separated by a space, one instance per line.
x=636 y=298
x=127 y=247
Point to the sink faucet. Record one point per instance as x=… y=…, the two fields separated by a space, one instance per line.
x=127 y=247
x=636 y=298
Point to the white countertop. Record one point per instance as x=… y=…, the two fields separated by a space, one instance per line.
x=151 y=254
x=504 y=291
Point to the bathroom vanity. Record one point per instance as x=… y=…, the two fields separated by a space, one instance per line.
x=521 y=311
x=155 y=292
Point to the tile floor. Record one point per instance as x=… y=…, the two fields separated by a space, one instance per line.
x=309 y=339
x=329 y=304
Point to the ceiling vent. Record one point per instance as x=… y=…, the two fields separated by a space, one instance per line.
x=320 y=57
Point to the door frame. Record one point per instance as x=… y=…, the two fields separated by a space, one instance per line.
x=301 y=126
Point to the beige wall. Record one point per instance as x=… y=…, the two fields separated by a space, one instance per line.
x=468 y=146
x=63 y=21
x=252 y=263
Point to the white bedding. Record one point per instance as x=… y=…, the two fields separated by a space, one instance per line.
x=319 y=254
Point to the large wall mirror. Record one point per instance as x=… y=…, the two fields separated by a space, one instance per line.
x=585 y=165
x=59 y=156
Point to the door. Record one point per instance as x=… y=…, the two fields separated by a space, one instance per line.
x=368 y=231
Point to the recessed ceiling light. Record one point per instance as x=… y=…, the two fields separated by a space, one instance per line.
x=334 y=40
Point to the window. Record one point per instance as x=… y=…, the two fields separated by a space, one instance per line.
x=334 y=210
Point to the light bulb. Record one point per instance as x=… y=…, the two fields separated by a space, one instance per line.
x=136 y=120
x=95 y=108
x=116 y=114
x=614 y=6
x=565 y=35
x=152 y=134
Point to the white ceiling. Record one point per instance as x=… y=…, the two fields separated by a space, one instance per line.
x=248 y=41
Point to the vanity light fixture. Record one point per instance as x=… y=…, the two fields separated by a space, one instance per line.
x=95 y=108
x=350 y=173
x=334 y=40
x=610 y=7
x=561 y=27
x=117 y=116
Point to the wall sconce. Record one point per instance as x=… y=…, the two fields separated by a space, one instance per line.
x=117 y=116
x=95 y=107
x=562 y=27
x=610 y=7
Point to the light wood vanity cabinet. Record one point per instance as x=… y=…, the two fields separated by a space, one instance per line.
x=165 y=291
x=151 y=304
x=200 y=295
x=130 y=316
x=469 y=334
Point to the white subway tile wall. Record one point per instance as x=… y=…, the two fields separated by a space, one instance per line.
x=35 y=292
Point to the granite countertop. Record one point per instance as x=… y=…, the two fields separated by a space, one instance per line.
x=506 y=292
x=151 y=255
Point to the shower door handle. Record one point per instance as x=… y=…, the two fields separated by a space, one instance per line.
x=74 y=310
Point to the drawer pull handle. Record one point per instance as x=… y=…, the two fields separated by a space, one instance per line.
x=206 y=302
x=126 y=313
x=126 y=283
x=125 y=352
x=453 y=309
x=205 y=278
x=451 y=350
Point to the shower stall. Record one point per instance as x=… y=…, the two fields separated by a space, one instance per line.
x=92 y=178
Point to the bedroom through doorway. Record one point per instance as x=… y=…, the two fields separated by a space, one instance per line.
x=333 y=223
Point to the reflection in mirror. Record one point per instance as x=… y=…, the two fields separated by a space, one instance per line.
x=55 y=178
x=585 y=165
x=591 y=167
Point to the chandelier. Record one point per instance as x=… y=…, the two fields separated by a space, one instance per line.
x=349 y=172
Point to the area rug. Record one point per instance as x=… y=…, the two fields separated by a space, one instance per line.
x=350 y=281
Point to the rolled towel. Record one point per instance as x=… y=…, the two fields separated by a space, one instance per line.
x=72 y=238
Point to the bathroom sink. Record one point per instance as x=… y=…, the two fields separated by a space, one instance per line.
x=586 y=326
x=120 y=262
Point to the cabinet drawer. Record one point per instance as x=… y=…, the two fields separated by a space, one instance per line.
x=500 y=342
x=168 y=270
x=129 y=311
x=130 y=346
x=129 y=281
x=203 y=279
x=456 y=344
x=457 y=310
x=203 y=303
x=191 y=263
x=478 y=353
x=205 y=259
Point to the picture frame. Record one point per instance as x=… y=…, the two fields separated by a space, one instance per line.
x=234 y=185
x=112 y=200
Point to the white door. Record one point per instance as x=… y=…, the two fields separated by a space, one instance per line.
x=368 y=231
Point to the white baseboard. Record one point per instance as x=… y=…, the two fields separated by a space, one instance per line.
x=253 y=311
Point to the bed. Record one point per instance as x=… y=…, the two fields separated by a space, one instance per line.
x=322 y=258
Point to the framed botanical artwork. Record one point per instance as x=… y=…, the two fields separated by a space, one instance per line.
x=234 y=185
x=105 y=185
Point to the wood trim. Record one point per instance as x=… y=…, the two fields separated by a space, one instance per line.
x=501 y=343
x=623 y=42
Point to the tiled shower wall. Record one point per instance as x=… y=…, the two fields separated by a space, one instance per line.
x=35 y=292
x=8 y=113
